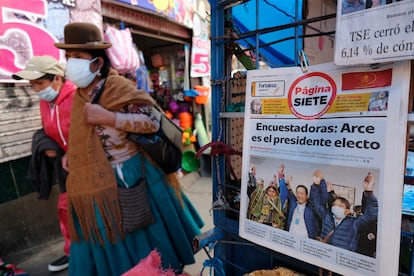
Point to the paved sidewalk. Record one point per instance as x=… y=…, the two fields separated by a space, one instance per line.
x=199 y=191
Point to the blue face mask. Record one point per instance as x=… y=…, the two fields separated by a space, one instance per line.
x=48 y=94
x=338 y=212
x=78 y=71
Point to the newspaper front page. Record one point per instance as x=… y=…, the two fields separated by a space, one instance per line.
x=330 y=137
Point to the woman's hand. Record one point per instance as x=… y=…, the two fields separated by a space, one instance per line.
x=51 y=153
x=65 y=163
x=95 y=114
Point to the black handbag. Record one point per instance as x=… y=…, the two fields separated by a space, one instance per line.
x=164 y=146
x=135 y=207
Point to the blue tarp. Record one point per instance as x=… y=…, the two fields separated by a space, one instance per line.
x=264 y=14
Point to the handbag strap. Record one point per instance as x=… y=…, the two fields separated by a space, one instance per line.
x=143 y=165
x=95 y=100
x=98 y=94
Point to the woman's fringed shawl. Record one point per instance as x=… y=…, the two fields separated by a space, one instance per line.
x=91 y=183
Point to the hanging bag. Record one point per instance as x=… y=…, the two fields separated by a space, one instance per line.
x=123 y=54
x=135 y=207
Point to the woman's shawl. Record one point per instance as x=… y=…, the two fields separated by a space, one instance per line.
x=91 y=183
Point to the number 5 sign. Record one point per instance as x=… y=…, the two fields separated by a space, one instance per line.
x=21 y=36
x=200 y=62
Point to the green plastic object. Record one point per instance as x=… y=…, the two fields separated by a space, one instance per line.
x=188 y=162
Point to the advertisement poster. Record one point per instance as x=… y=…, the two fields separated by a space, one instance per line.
x=30 y=28
x=374 y=31
x=200 y=51
x=323 y=164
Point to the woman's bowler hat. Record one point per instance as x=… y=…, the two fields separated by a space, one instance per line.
x=82 y=36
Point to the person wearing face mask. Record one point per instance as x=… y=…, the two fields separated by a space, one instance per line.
x=46 y=77
x=300 y=219
x=339 y=227
x=102 y=161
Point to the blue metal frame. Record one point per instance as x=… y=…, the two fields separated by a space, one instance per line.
x=217 y=73
x=275 y=57
x=237 y=256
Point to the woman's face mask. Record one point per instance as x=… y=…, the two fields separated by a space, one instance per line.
x=338 y=212
x=78 y=71
x=48 y=94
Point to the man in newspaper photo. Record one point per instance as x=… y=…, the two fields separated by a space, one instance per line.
x=300 y=218
x=339 y=227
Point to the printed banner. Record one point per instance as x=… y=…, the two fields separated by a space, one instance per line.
x=374 y=31
x=323 y=164
x=200 y=51
x=179 y=10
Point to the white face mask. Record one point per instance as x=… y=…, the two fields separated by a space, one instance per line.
x=78 y=71
x=48 y=94
x=338 y=212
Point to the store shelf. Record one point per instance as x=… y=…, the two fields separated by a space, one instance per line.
x=241 y=115
x=234 y=115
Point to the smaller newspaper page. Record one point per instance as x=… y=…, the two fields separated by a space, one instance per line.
x=374 y=31
x=323 y=164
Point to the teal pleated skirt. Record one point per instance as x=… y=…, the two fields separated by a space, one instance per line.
x=171 y=234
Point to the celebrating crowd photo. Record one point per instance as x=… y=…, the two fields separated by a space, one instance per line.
x=315 y=210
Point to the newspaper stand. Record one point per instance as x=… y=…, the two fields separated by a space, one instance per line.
x=232 y=254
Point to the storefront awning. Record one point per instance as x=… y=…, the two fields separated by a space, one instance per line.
x=145 y=23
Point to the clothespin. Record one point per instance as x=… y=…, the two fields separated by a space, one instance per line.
x=304 y=64
x=122 y=25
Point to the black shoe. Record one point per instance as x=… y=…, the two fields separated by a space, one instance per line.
x=60 y=264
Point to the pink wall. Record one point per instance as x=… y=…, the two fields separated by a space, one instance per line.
x=29 y=28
